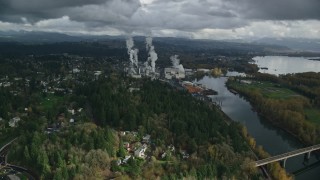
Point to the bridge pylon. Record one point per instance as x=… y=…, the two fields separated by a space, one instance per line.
x=284 y=163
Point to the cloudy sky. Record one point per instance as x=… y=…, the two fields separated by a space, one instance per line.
x=205 y=19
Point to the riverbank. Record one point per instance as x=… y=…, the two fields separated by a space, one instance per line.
x=274 y=140
x=280 y=106
x=270 y=171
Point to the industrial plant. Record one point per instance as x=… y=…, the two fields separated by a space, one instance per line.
x=176 y=71
x=137 y=69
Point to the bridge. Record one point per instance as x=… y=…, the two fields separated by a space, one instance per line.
x=287 y=155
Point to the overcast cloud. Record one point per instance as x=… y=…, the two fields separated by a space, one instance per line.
x=212 y=19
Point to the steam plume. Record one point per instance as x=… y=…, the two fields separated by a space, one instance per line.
x=130 y=44
x=176 y=63
x=133 y=53
x=152 y=55
x=148 y=42
x=135 y=57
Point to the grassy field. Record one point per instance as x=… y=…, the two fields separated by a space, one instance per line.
x=269 y=90
x=313 y=115
x=274 y=91
x=50 y=101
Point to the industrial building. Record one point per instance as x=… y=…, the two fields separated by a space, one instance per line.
x=173 y=72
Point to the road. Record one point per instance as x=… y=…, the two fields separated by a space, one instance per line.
x=4 y=151
x=13 y=169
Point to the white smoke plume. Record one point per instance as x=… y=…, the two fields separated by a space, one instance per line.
x=148 y=43
x=152 y=55
x=130 y=44
x=176 y=63
x=181 y=69
x=133 y=53
x=135 y=57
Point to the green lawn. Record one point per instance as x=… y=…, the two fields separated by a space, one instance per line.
x=270 y=90
x=50 y=101
x=313 y=115
x=274 y=91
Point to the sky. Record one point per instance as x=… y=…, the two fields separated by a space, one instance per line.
x=198 y=19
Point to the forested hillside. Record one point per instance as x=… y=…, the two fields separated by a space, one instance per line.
x=205 y=145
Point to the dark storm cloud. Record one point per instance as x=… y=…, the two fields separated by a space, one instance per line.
x=167 y=16
x=263 y=9
x=35 y=10
x=277 y=9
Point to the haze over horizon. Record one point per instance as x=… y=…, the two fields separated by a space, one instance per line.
x=197 y=19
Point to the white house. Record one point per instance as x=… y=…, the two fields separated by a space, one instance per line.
x=71 y=111
x=126 y=145
x=14 y=121
x=140 y=151
x=126 y=159
x=75 y=70
x=71 y=120
x=146 y=138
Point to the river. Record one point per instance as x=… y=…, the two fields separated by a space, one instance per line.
x=274 y=140
x=284 y=64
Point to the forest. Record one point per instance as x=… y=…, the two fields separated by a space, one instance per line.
x=70 y=124
x=171 y=117
x=90 y=148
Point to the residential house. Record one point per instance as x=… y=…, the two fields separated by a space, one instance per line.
x=126 y=159
x=13 y=122
x=140 y=152
x=126 y=145
x=146 y=138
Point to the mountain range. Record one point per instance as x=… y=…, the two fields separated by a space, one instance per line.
x=294 y=44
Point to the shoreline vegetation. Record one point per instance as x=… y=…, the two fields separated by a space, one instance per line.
x=273 y=169
x=314 y=59
x=285 y=100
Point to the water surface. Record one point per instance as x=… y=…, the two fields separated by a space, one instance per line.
x=284 y=64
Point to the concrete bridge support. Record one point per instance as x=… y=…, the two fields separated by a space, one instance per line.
x=309 y=154
x=284 y=163
x=5 y=159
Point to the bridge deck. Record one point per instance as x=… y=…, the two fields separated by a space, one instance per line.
x=287 y=155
